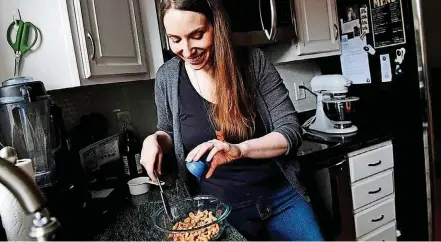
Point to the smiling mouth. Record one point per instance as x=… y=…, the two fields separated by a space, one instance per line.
x=197 y=59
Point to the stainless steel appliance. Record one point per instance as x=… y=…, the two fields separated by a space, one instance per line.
x=253 y=23
x=30 y=197
x=328 y=181
x=429 y=72
x=25 y=124
x=258 y=22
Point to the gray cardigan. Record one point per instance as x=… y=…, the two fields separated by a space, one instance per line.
x=273 y=104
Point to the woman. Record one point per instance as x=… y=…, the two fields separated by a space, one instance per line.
x=229 y=106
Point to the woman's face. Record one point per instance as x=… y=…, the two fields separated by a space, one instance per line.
x=191 y=37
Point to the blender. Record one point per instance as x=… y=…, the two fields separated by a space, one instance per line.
x=25 y=124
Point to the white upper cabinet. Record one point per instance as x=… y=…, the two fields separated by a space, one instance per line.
x=110 y=37
x=317 y=26
x=85 y=42
x=317 y=33
x=52 y=59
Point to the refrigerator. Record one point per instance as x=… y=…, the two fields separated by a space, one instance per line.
x=393 y=86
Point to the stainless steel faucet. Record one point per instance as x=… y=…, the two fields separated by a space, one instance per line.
x=31 y=199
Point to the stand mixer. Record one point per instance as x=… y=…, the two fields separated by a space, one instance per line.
x=334 y=109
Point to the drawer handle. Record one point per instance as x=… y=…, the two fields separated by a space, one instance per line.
x=375 y=164
x=374 y=220
x=376 y=191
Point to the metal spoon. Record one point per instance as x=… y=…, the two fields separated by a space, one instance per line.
x=164 y=198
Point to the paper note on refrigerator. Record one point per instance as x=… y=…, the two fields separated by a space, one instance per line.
x=355 y=61
x=386 y=70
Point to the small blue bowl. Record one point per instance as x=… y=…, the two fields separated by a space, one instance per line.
x=198 y=168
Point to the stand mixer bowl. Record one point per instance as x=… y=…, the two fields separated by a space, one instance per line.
x=340 y=109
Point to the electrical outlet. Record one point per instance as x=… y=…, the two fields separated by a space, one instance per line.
x=298 y=92
x=302 y=92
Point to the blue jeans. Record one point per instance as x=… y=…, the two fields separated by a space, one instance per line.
x=283 y=216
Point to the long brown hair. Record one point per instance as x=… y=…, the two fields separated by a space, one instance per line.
x=234 y=111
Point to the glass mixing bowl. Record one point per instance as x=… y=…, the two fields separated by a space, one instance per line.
x=181 y=209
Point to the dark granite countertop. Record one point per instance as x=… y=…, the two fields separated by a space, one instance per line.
x=134 y=221
x=319 y=149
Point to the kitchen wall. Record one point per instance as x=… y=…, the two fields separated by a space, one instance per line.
x=297 y=73
x=138 y=97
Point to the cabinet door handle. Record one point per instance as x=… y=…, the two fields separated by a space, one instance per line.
x=376 y=191
x=378 y=219
x=375 y=164
x=92 y=43
x=336 y=31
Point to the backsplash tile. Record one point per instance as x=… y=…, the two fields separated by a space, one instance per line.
x=138 y=98
x=296 y=72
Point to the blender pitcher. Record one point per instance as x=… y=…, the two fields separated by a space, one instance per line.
x=25 y=125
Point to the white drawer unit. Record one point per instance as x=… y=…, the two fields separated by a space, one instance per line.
x=374 y=217
x=371 y=162
x=387 y=232
x=373 y=188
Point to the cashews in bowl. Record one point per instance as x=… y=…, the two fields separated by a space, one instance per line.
x=199 y=219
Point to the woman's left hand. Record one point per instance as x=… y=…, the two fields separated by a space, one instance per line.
x=220 y=153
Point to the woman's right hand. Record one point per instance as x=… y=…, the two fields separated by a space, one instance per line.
x=151 y=156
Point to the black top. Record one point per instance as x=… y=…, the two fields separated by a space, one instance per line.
x=240 y=180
